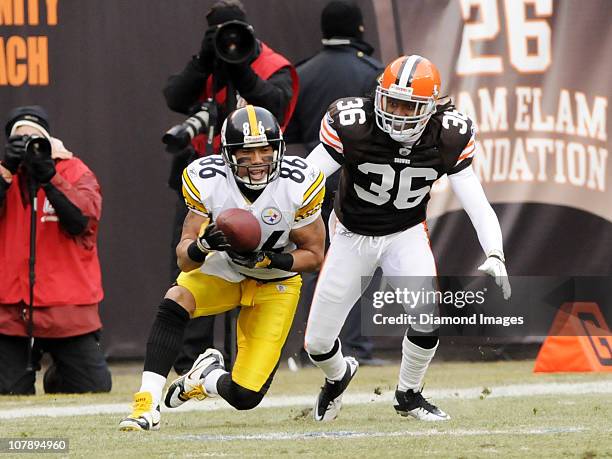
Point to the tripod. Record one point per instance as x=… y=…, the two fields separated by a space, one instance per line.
x=32 y=191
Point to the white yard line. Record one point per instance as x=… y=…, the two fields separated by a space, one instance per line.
x=352 y=434
x=515 y=390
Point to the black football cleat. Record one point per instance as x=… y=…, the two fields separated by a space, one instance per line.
x=411 y=403
x=329 y=401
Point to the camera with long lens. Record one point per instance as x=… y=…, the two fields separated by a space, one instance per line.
x=179 y=137
x=36 y=146
x=234 y=42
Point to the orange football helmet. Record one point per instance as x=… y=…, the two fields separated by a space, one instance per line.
x=406 y=97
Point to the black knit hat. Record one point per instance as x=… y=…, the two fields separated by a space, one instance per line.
x=226 y=10
x=342 y=18
x=34 y=113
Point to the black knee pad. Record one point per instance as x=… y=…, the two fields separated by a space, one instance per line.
x=239 y=397
x=246 y=399
x=172 y=313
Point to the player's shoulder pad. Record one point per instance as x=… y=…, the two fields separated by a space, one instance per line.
x=335 y=107
x=455 y=128
x=308 y=189
x=202 y=175
x=304 y=179
x=350 y=105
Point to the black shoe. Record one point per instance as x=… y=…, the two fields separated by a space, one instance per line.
x=411 y=403
x=329 y=401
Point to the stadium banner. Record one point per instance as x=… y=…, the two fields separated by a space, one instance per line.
x=533 y=86
x=533 y=74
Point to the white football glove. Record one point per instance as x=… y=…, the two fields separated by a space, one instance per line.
x=495 y=266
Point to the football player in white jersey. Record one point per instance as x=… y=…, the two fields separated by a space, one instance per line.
x=285 y=195
x=391 y=149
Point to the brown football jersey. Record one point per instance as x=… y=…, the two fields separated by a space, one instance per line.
x=384 y=186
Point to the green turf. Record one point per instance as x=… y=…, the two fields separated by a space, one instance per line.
x=542 y=426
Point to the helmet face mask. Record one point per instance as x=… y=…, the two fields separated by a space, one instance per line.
x=254 y=174
x=252 y=146
x=406 y=98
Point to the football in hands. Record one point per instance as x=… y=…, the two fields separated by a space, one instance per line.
x=241 y=229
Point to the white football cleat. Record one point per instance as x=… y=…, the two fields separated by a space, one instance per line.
x=144 y=416
x=329 y=401
x=191 y=384
x=411 y=403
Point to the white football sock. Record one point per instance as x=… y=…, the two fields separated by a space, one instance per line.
x=415 y=361
x=154 y=383
x=210 y=381
x=334 y=367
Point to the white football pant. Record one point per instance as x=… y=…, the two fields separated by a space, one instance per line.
x=352 y=256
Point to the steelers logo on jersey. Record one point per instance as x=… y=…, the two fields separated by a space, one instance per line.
x=271 y=215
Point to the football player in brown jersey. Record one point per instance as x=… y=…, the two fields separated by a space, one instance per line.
x=391 y=149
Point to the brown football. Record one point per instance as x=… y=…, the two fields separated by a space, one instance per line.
x=241 y=229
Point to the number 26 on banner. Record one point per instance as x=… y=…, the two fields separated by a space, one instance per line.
x=529 y=39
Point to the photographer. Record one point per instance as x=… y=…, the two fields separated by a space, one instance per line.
x=232 y=72
x=223 y=77
x=64 y=320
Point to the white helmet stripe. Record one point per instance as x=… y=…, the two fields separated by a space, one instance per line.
x=408 y=70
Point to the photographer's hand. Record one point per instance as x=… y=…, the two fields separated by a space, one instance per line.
x=206 y=56
x=242 y=75
x=14 y=152
x=42 y=168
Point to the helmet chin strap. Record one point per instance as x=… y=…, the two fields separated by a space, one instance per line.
x=407 y=140
x=401 y=139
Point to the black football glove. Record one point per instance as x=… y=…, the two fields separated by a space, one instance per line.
x=42 y=168
x=212 y=238
x=262 y=259
x=248 y=260
x=14 y=152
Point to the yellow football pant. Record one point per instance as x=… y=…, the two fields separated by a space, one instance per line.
x=263 y=323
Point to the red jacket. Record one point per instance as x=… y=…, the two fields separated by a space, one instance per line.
x=67 y=267
x=265 y=65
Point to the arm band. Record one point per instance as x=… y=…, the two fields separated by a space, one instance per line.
x=282 y=261
x=194 y=252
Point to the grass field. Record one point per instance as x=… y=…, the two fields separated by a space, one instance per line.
x=494 y=407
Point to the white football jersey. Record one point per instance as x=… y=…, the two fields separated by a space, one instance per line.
x=291 y=201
